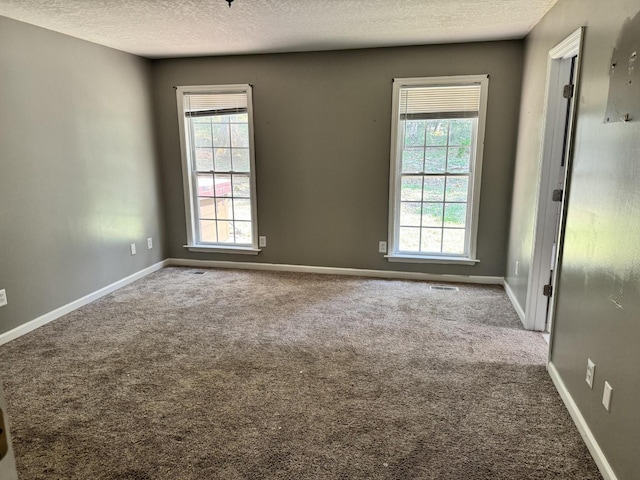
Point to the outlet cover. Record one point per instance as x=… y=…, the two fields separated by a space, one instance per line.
x=149 y=243
x=133 y=248
x=606 y=396
x=3 y=297
x=591 y=372
x=262 y=241
x=382 y=247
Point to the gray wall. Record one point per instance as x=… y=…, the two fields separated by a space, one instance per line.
x=322 y=131
x=78 y=175
x=599 y=291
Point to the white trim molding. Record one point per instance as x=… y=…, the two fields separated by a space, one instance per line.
x=355 y=272
x=426 y=259
x=230 y=249
x=596 y=452
x=514 y=301
x=81 y=302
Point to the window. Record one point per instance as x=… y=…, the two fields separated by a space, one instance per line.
x=216 y=137
x=436 y=158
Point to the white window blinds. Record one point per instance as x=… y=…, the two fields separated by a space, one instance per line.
x=440 y=102
x=205 y=105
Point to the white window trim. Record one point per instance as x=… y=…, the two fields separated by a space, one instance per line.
x=395 y=177
x=187 y=173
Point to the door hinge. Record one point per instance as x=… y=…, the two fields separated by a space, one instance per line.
x=567 y=91
x=547 y=290
x=557 y=195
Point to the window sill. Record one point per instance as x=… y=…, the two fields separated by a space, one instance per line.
x=432 y=259
x=218 y=249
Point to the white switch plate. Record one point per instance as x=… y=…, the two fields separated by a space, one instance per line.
x=591 y=372
x=133 y=249
x=3 y=297
x=517 y=267
x=382 y=247
x=262 y=241
x=149 y=243
x=606 y=396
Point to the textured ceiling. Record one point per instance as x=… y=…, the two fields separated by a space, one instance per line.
x=171 y=28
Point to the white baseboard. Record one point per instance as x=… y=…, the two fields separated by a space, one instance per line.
x=81 y=302
x=356 y=272
x=596 y=452
x=514 y=301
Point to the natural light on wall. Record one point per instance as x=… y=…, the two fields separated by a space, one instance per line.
x=437 y=138
x=218 y=166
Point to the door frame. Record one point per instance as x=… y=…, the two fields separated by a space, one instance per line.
x=545 y=216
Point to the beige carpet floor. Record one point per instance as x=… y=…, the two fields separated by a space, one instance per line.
x=258 y=375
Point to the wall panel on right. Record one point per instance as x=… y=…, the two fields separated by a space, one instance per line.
x=598 y=297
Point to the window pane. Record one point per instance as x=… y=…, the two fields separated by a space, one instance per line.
x=241 y=209
x=241 y=160
x=202 y=134
x=225 y=232
x=412 y=160
x=205 y=185
x=221 y=136
x=223 y=159
x=220 y=118
x=431 y=240
x=455 y=215
x=204 y=159
x=435 y=159
x=241 y=186
x=239 y=118
x=208 y=231
x=460 y=132
x=432 y=215
x=433 y=189
x=225 y=208
x=240 y=135
x=207 y=208
x=453 y=241
x=410 y=214
x=243 y=232
x=414 y=133
x=223 y=185
x=458 y=160
x=437 y=131
x=411 y=189
x=457 y=189
x=409 y=239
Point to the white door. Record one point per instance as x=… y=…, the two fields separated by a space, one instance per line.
x=560 y=107
x=568 y=69
x=7 y=462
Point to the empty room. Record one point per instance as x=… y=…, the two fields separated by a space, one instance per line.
x=252 y=239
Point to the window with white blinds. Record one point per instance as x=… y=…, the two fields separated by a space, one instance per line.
x=216 y=128
x=436 y=157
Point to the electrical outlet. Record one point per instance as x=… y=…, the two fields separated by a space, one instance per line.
x=382 y=247
x=262 y=241
x=606 y=396
x=149 y=243
x=3 y=298
x=591 y=372
x=517 y=266
x=133 y=249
